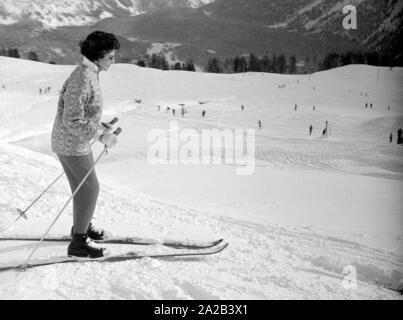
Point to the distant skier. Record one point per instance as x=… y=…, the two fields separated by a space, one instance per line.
x=366 y=106
x=295 y=108
x=325 y=131
x=173 y=111
x=314 y=108
x=310 y=129
x=40 y=91
x=370 y=105
x=77 y=122
x=390 y=138
x=260 y=124
x=242 y=107
x=399 y=136
x=203 y=113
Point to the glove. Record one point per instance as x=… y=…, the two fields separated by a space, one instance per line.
x=108 y=139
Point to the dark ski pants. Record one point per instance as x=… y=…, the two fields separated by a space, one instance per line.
x=85 y=200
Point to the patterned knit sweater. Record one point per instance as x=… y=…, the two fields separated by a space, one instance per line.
x=79 y=112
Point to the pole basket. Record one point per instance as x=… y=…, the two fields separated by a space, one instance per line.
x=22 y=214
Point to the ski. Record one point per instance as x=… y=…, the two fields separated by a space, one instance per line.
x=132 y=255
x=176 y=244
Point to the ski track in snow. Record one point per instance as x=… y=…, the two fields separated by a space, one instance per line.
x=287 y=263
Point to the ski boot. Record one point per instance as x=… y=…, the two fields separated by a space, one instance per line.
x=93 y=233
x=82 y=246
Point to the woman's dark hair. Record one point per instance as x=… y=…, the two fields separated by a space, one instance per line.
x=97 y=44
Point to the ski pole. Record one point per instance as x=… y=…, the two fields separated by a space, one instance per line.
x=23 y=213
x=116 y=132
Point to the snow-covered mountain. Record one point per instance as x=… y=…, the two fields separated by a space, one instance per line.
x=200 y=28
x=379 y=22
x=56 y=13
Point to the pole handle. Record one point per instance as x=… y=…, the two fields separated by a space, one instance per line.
x=118 y=131
x=111 y=123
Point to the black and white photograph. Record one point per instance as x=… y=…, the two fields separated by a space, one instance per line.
x=210 y=150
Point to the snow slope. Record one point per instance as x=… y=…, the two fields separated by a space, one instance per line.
x=313 y=209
